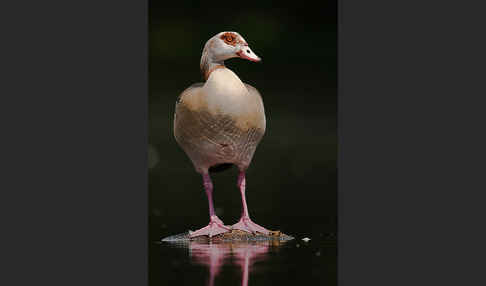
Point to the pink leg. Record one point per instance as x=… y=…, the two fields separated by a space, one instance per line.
x=215 y=226
x=245 y=223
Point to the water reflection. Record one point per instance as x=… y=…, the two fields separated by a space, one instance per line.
x=214 y=255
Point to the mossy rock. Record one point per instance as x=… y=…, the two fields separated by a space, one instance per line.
x=233 y=235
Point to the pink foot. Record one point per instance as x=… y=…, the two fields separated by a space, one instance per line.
x=245 y=224
x=215 y=227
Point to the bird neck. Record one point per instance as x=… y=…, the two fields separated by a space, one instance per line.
x=208 y=65
x=210 y=68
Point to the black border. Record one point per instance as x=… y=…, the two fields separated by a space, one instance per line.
x=75 y=143
x=410 y=121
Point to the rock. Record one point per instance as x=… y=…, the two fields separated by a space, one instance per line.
x=233 y=235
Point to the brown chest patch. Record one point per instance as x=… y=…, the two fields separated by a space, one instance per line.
x=208 y=73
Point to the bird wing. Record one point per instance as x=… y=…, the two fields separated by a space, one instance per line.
x=191 y=89
x=253 y=91
x=188 y=95
x=259 y=101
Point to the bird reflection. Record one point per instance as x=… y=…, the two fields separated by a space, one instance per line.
x=215 y=254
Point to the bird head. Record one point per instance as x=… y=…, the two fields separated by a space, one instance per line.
x=227 y=45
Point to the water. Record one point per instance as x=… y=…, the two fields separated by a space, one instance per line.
x=245 y=263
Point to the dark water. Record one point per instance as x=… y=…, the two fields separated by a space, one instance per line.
x=245 y=263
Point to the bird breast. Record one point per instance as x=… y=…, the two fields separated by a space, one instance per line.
x=220 y=122
x=224 y=94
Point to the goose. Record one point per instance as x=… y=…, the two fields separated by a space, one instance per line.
x=219 y=124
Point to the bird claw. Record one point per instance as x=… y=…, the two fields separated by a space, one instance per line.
x=215 y=227
x=245 y=224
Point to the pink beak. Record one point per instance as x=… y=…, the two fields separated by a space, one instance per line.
x=246 y=53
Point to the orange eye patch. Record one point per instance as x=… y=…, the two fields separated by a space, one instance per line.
x=229 y=38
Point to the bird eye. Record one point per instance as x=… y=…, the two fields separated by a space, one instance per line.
x=229 y=39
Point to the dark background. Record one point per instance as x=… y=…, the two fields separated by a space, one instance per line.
x=291 y=184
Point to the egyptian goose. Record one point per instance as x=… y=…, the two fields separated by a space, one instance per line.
x=220 y=122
